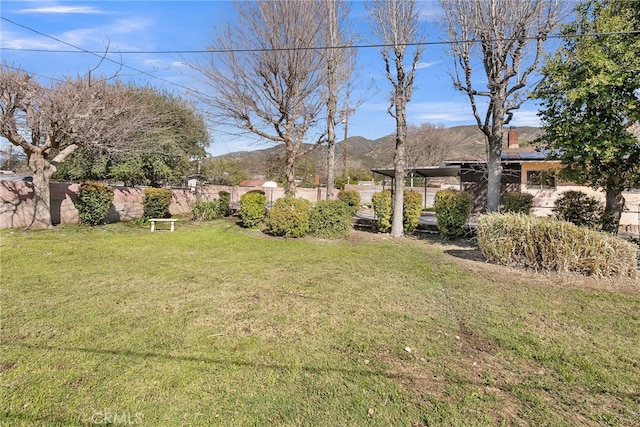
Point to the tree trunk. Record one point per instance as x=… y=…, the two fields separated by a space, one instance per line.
x=331 y=165
x=613 y=211
x=42 y=171
x=290 y=170
x=397 y=226
x=494 y=174
x=494 y=163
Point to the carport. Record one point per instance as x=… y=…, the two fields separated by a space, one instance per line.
x=425 y=172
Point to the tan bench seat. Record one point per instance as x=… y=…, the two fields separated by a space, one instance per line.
x=172 y=221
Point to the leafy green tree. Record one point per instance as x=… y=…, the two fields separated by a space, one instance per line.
x=223 y=171
x=590 y=100
x=167 y=159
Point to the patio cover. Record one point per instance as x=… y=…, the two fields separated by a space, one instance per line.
x=425 y=172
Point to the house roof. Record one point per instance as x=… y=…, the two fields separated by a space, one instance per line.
x=425 y=171
x=251 y=183
x=511 y=155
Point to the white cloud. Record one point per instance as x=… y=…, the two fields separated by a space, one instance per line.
x=64 y=10
x=10 y=40
x=126 y=26
x=422 y=65
x=525 y=118
x=447 y=113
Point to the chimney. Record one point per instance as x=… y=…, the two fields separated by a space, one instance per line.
x=512 y=139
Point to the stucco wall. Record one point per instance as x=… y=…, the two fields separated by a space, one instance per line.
x=17 y=205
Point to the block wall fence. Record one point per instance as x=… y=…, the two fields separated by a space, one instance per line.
x=17 y=204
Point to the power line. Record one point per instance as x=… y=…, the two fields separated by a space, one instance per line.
x=33 y=74
x=249 y=50
x=102 y=56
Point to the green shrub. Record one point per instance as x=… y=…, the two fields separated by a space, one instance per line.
x=383 y=210
x=93 y=202
x=156 y=203
x=253 y=206
x=202 y=210
x=412 y=209
x=552 y=245
x=351 y=198
x=518 y=202
x=289 y=217
x=224 y=203
x=453 y=210
x=579 y=208
x=330 y=219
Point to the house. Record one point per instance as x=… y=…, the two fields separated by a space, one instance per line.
x=525 y=169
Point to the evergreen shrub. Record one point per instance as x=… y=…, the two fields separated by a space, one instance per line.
x=253 y=206
x=330 y=219
x=289 y=217
x=412 y=209
x=518 y=202
x=382 y=208
x=224 y=203
x=93 y=202
x=156 y=203
x=579 y=208
x=453 y=210
x=351 y=198
x=551 y=245
x=203 y=210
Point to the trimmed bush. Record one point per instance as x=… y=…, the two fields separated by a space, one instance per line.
x=224 y=203
x=579 y=208
x=93 y=202
x=453 y=210
x=330 y=219
x=289 y=217
x=518 y=202
x=412 y=209
x=156 y=203
x=548 y=244
x=202 y=210
x=351 y=198
x=253 y=206
x=382 y=208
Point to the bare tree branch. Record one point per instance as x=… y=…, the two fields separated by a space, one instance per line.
x=500 y=33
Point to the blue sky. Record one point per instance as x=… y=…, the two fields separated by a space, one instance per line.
x=153 y=26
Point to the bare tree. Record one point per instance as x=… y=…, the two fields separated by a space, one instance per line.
x=266 y=75
x=429 y=145
x=338 y=58
x=50 y=124
x=397 y=24
x=507 y=37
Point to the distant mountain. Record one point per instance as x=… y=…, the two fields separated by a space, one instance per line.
x=365 y=154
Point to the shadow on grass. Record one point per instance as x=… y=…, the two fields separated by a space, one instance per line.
x=43 y=420
x=219 y=361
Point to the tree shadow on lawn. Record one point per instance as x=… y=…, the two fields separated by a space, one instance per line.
x=465 y=247
x=372 y=372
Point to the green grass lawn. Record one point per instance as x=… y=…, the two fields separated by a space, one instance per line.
x=215 y=325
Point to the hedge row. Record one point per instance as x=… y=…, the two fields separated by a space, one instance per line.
x=296 y=217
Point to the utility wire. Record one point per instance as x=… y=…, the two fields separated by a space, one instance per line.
x=249 y=50
x=101 y=55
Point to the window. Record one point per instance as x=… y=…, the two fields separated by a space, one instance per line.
x=541 y=179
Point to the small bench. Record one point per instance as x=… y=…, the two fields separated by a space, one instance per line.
x=172 y=221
